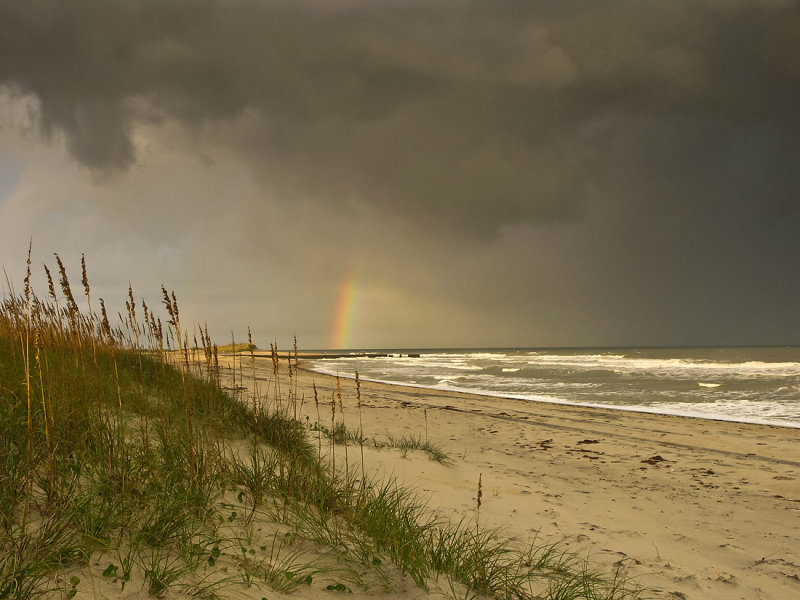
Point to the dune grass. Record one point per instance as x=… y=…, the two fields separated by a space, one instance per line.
x=340 y=434
x=120 y=448
x=416 y=443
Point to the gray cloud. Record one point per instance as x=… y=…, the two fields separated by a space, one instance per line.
x=472 y=114
x=595 y=171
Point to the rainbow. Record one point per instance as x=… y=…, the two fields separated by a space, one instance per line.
x=343 y=318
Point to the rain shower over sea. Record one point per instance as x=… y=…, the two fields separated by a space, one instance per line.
x=755 y=385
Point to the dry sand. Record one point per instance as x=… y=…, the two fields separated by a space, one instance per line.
x=699 y=509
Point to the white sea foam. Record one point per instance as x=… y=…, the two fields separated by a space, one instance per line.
x=732 y=384
x=767 y=413
x=668 y=367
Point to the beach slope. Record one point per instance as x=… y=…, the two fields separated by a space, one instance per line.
x=695 y=508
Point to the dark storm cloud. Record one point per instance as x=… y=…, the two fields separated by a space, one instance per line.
x=468 y=114
x=564 y=172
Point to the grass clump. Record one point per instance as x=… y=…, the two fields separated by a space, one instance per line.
x=415 y=443
x=120 y=447
x=341 y=434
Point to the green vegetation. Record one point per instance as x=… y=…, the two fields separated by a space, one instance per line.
x=340 y=434
x=237 y=347
x=119 y=448
x=416 y=443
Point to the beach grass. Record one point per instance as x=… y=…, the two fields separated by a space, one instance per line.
x=340 y=434
x=124 y=461
x=416 y=443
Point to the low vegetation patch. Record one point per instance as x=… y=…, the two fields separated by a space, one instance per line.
x=415 y=443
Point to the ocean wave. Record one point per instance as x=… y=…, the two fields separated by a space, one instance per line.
x=686 y=368
x=692 y=384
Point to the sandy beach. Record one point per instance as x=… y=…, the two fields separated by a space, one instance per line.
x=697 y=509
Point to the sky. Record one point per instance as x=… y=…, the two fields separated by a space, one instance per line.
x=409 y=173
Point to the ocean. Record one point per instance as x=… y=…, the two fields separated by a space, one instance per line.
x=755 y=385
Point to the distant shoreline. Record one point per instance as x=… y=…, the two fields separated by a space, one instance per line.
x=284 y=355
